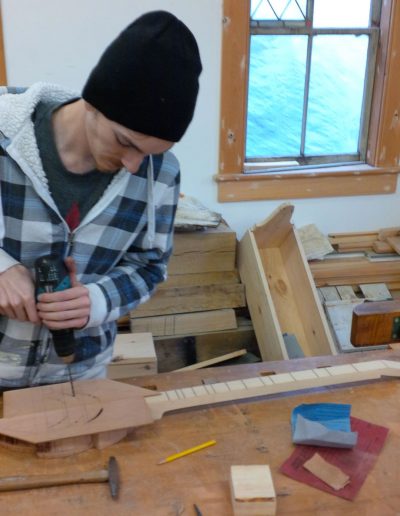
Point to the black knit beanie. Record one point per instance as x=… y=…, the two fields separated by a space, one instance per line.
x=147 y=78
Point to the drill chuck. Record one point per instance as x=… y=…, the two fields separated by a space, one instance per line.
x=52 y=276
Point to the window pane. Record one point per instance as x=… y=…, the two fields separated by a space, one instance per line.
x=342 y=13
x=336 y=92
x=278 y=9
x=275 y=100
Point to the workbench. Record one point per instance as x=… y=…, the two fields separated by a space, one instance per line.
x=255 y=431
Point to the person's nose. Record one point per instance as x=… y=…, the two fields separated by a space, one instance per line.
x=132 y=160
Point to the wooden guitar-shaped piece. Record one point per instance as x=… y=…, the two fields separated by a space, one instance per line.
x=103 y=411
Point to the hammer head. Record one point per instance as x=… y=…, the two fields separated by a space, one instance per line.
x=113 y=477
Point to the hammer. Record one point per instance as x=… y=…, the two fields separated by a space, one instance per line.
x=110 y=475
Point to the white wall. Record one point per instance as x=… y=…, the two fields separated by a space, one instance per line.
x=61 y=40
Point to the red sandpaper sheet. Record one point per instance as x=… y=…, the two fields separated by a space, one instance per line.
x=356 y=462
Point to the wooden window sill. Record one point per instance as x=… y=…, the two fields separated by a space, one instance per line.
x=319 y=182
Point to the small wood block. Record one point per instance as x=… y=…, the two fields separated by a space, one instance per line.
x=384 y=233
x=346 y=292
x=377 y=322
x=252 y=490
x=394 y=241
x=133 y=355
x=381 y=247
x=330 y=293
x=376 y=292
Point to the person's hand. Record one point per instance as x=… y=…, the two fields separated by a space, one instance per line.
x=17 y=294
x=68 y=308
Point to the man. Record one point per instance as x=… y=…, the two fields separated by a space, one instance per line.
x=91 y=180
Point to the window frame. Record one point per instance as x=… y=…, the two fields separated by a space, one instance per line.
x=378 y=175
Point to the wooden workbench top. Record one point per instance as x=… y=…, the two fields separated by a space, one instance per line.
x=247 y=432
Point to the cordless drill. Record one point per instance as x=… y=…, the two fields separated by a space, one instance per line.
x=52 y=276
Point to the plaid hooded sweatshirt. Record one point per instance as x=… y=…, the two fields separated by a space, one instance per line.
x=121 y=247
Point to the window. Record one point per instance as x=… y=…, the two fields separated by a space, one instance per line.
x=304 y=101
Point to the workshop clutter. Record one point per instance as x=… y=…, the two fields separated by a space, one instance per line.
x=299 y=287
x=307 y=289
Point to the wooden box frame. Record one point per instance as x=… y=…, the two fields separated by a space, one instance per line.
x=280 y=290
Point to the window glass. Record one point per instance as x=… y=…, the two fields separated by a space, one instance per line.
x=341 y=13
x=275 y=100
x=278 y=9
x=336 y=93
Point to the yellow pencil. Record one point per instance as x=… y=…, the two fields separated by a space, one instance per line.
x=187 y=452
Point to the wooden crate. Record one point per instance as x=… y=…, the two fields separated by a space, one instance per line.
x=280 y=291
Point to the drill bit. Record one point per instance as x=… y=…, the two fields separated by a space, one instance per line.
x=70 y=381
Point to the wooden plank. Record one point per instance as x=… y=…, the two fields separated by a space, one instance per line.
x=394 y=242
x=213 y=249
x=354 y=271
x=381 y=247
x=384 y=233
x=345 y=292
x=354 y=235
x=213 y=361
x=211 y=345
x=310 y=314
x=186 y=324
x=330 y=293
x=259 y=301
x=192 y=299
x=355 y=241
x=375 y=291
x=201 y=278
x=318 y=183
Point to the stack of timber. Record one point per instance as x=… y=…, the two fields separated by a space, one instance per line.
x=199 y=298
x=355 y=271
x=384 y=240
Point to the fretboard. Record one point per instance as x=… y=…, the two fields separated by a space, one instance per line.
x=212 y=393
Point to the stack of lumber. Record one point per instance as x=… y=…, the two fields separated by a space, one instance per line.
x=378 y=259
x=202 y=291
x=385 y=240
x=202 y=279
x=355 y=271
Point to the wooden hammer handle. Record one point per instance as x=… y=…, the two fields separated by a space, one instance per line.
x=31 y=482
